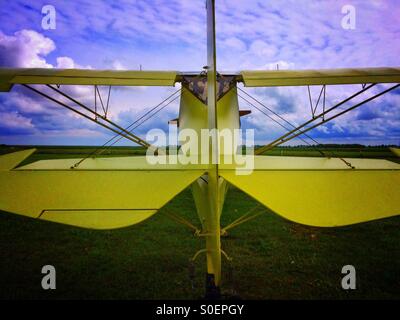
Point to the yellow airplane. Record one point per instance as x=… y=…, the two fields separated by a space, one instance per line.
x=106 y=193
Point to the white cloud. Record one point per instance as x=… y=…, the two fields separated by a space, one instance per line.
x=117 y=65
x=261 y=48
x=278 y=65
x=26 y=48
x=235 y=43
x=13 y=120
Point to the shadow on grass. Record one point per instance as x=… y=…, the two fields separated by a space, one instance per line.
x=272 y=258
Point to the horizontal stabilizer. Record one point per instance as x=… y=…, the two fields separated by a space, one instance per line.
x=97 y=219
x=395 y=151
x=323 y=192
x=11 y=160
x=102 y=196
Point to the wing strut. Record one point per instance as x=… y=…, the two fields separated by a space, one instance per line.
x=127 y=135
x=296 y=132
x=137 y=139
x=109 y=143
x=276 y=121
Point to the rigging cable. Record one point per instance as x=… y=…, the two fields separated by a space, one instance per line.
x=276 y=121
x=275 y=113
x=128 y=127
x=143 y=121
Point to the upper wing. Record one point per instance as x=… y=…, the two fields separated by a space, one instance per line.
x=101 y=194
x=9 y=77
x=273 y=78
x=322 y=192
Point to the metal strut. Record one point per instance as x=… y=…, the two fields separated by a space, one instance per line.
x=138 y=139
x=123 y=133
x=212 y=216
x=97 y=92
x=168 y=213
x=104 y=147
x=130 y=137
x=313 y=110
x=250 y=215
x=287 y=129
x=293 y=134
x=263 y=149
x=148 y=115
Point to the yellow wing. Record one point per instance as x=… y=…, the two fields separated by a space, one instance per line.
x=272 y=78
x=396 y=151
x=9 y=77
x=99 y=194
x=320 y=191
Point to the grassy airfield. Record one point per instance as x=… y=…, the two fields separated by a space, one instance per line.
x=272 y=258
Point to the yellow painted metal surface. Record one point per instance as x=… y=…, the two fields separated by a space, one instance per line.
x=112 y=163
x=209 y=196
x=98 y=199
x=212 y=222
x=11 y=160
x=323 y=195
x=269 y=78
x=193 y=115
x=396 y=151
x=200 y=197
x=97 y=219
x=311 y=163
x=8 y=77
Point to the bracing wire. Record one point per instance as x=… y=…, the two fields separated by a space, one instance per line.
x=277 y=122
x=130 y=126
x=138 y=125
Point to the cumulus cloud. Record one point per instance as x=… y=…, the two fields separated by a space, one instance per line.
x=23 y=112
x=26 y=48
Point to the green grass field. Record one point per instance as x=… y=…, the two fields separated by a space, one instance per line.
x=272 y=258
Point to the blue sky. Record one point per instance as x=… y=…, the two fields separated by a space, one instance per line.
x=170 y=35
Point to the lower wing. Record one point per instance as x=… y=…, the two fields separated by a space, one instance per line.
x=102 y=194
x=324 y=192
